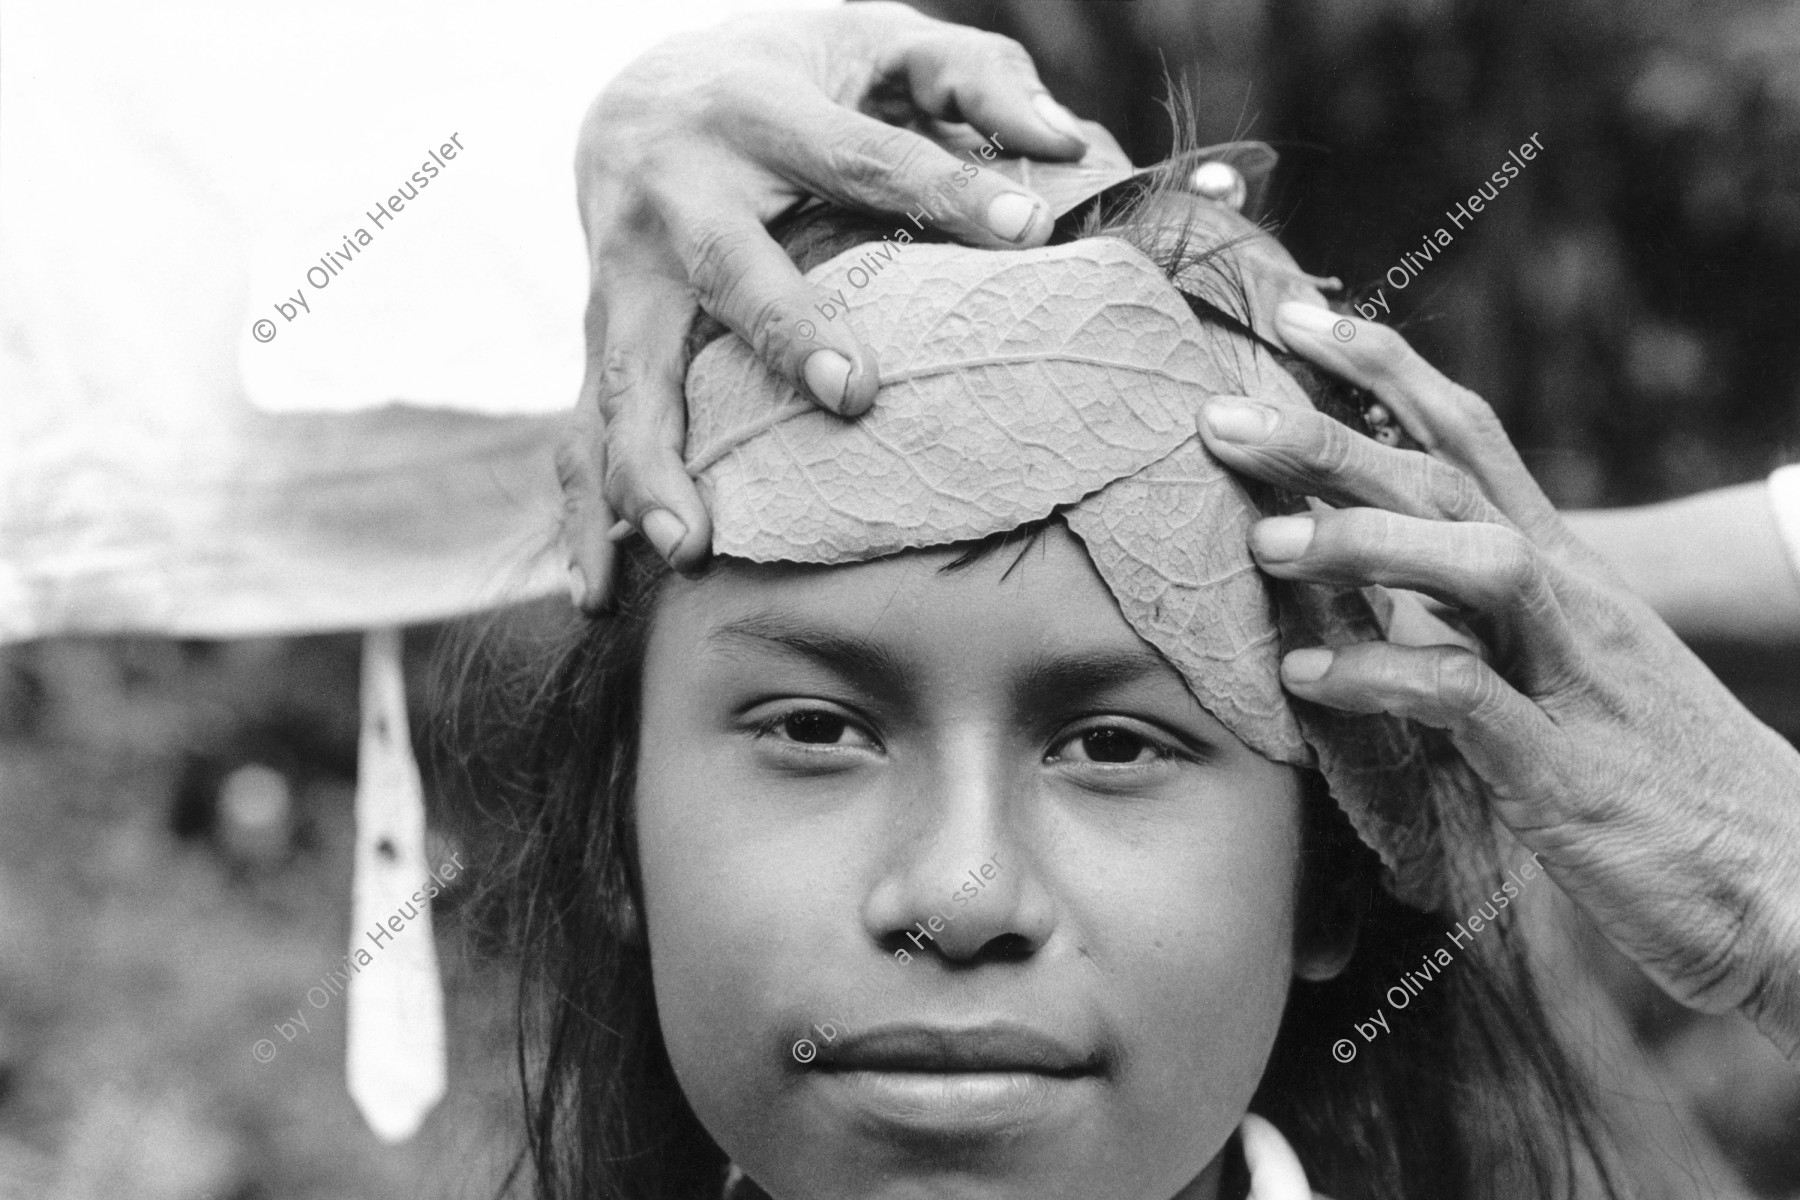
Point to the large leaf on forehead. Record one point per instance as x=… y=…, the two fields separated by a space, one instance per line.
x=1172 y=543
x=1067 y=377
x=1029 y=380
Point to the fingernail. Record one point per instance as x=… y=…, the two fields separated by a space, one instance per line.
x=1241 y=421
x=577 y=586
x=856 y=405
x=1282 y=539
x=1307 y=666
x=1057 y=117
x=1009 y=215
x=828 y=378
x=664 y=530
x=619 y=532
x=1309 y=318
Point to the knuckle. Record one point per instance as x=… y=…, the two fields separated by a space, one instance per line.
x=1004 y=51
x=622 y=486
x=1472 y=421
x=605 y=136
x=594 y=322
x=717 y=257
x=883 y=161
x=770 y=321
x=1384 y=354
x=1453 y=493
x=668 y=90
x=1478 y=411
x=1461 y=684
x=1322 y=444
x=620 y=375
x=632 y=217
x=975 y=54
x=885 y=12
x=571 y=470
x=1396 y=678
x=865 y=163
x=1510 y=561
x=624 y=497
x=1385 y=543
x=722 y=100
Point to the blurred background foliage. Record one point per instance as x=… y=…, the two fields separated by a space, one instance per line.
x=175 y=817
x=175 y=848
x=1625 y=303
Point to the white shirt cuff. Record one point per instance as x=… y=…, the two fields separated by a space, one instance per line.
x=1784 y=498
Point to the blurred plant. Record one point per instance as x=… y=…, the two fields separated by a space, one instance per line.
x=1625 y=309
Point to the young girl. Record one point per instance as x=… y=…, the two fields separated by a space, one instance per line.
x=1008 y=617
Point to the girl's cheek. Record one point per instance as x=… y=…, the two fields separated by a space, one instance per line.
x=717 y=899
x=1209 y=1007
x=1215 y=990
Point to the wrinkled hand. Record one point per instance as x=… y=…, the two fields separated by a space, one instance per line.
x=681 y=161
x=1657 y=801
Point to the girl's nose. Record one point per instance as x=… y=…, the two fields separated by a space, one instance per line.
x=963 y=882
x=970 y=917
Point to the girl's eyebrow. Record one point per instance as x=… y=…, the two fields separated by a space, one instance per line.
x=1045 y=683
x=1053 y=679
x=867 y=664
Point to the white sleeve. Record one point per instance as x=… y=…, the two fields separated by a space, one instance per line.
x=1784 y=498
x=181 y=174
x=179 y=171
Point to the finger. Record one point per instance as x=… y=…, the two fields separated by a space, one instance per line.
x=746 y=280
x=1446 y=418
x=859 y=162
x=1308 y=452
x=587 y=517
x=1509 y=741
x=1491 y=571
x=989 y=81
x=637 y=389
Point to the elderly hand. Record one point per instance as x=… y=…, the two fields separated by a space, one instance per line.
x=685 y=156
x=1657 y=801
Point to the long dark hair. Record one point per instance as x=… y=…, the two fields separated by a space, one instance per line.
x=1466 y=1095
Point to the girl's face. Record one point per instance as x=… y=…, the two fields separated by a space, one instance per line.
x=1093 y=879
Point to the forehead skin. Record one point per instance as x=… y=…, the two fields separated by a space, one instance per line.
x=1144 y=918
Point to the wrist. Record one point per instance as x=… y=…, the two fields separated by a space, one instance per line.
x=1774 y=1003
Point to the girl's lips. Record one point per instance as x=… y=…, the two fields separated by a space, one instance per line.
x=942 y=1082
x=1000 y=1047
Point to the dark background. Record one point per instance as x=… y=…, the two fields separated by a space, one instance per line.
x=1626 y=304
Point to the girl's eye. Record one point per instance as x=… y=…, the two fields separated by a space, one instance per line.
x=1112 y=745
x=816 y=727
